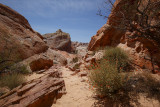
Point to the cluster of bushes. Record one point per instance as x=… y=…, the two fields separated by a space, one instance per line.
x=108 y=80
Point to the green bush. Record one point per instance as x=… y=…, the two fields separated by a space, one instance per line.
x=106 y=80
x=12 y=80
x=74 y=60
x=117 y=57
x=105 y=76
x=22 y=69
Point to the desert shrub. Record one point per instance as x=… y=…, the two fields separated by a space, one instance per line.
x=11 y=80
x=117 y=57
x=105 y=75
x=74 y=60
x=22 y=69
x=106 y=80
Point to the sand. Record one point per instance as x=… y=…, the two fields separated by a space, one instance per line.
x=78 y=93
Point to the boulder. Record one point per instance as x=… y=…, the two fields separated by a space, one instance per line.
x=58 y=57
x=143 y=52
x=41 y=92
x=18 y=36
x=82 y=74
x=58 y=40
x=40 y=64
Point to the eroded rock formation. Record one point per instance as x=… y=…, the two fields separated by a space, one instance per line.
x=143 y=52
x=58 y=40
x=78 y=44
x=16 y=32
x=41 y=92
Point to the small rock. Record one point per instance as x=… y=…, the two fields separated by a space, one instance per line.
x=41 y=71
x=81 y=74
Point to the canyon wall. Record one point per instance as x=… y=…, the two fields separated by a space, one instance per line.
x=143 y=52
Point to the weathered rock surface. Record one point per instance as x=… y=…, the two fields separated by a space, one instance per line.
x=77 y=44
x=75 y=62
x=4 y=90
x=47 y=59
x=41 y=64
x=41 y=92
x=81 y=52
x=143 y=52
x=58 y=40
x=59 y=57
x=16 y=32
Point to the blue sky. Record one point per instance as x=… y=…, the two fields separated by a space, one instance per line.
x=76 y=17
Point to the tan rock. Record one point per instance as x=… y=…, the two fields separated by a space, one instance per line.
x=74 y=66
x=77 y=44
x=58 y=40
x=82 y=74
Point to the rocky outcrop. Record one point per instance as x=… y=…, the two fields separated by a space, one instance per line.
x=58 y=40
x=41 y=92
x=16 y=32
x=143 y=52
x=59 y=57
x=44 y=61
x=76 y=61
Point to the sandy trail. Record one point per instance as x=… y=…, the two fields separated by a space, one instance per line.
x=78 y=93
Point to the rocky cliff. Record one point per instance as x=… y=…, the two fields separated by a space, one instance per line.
x=144 y=52
x=17 y=35
x=58 y=40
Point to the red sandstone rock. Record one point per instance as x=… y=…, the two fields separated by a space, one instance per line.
x=41 y=92
x=18 y=34
x=143 y=52
x=41 y=64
